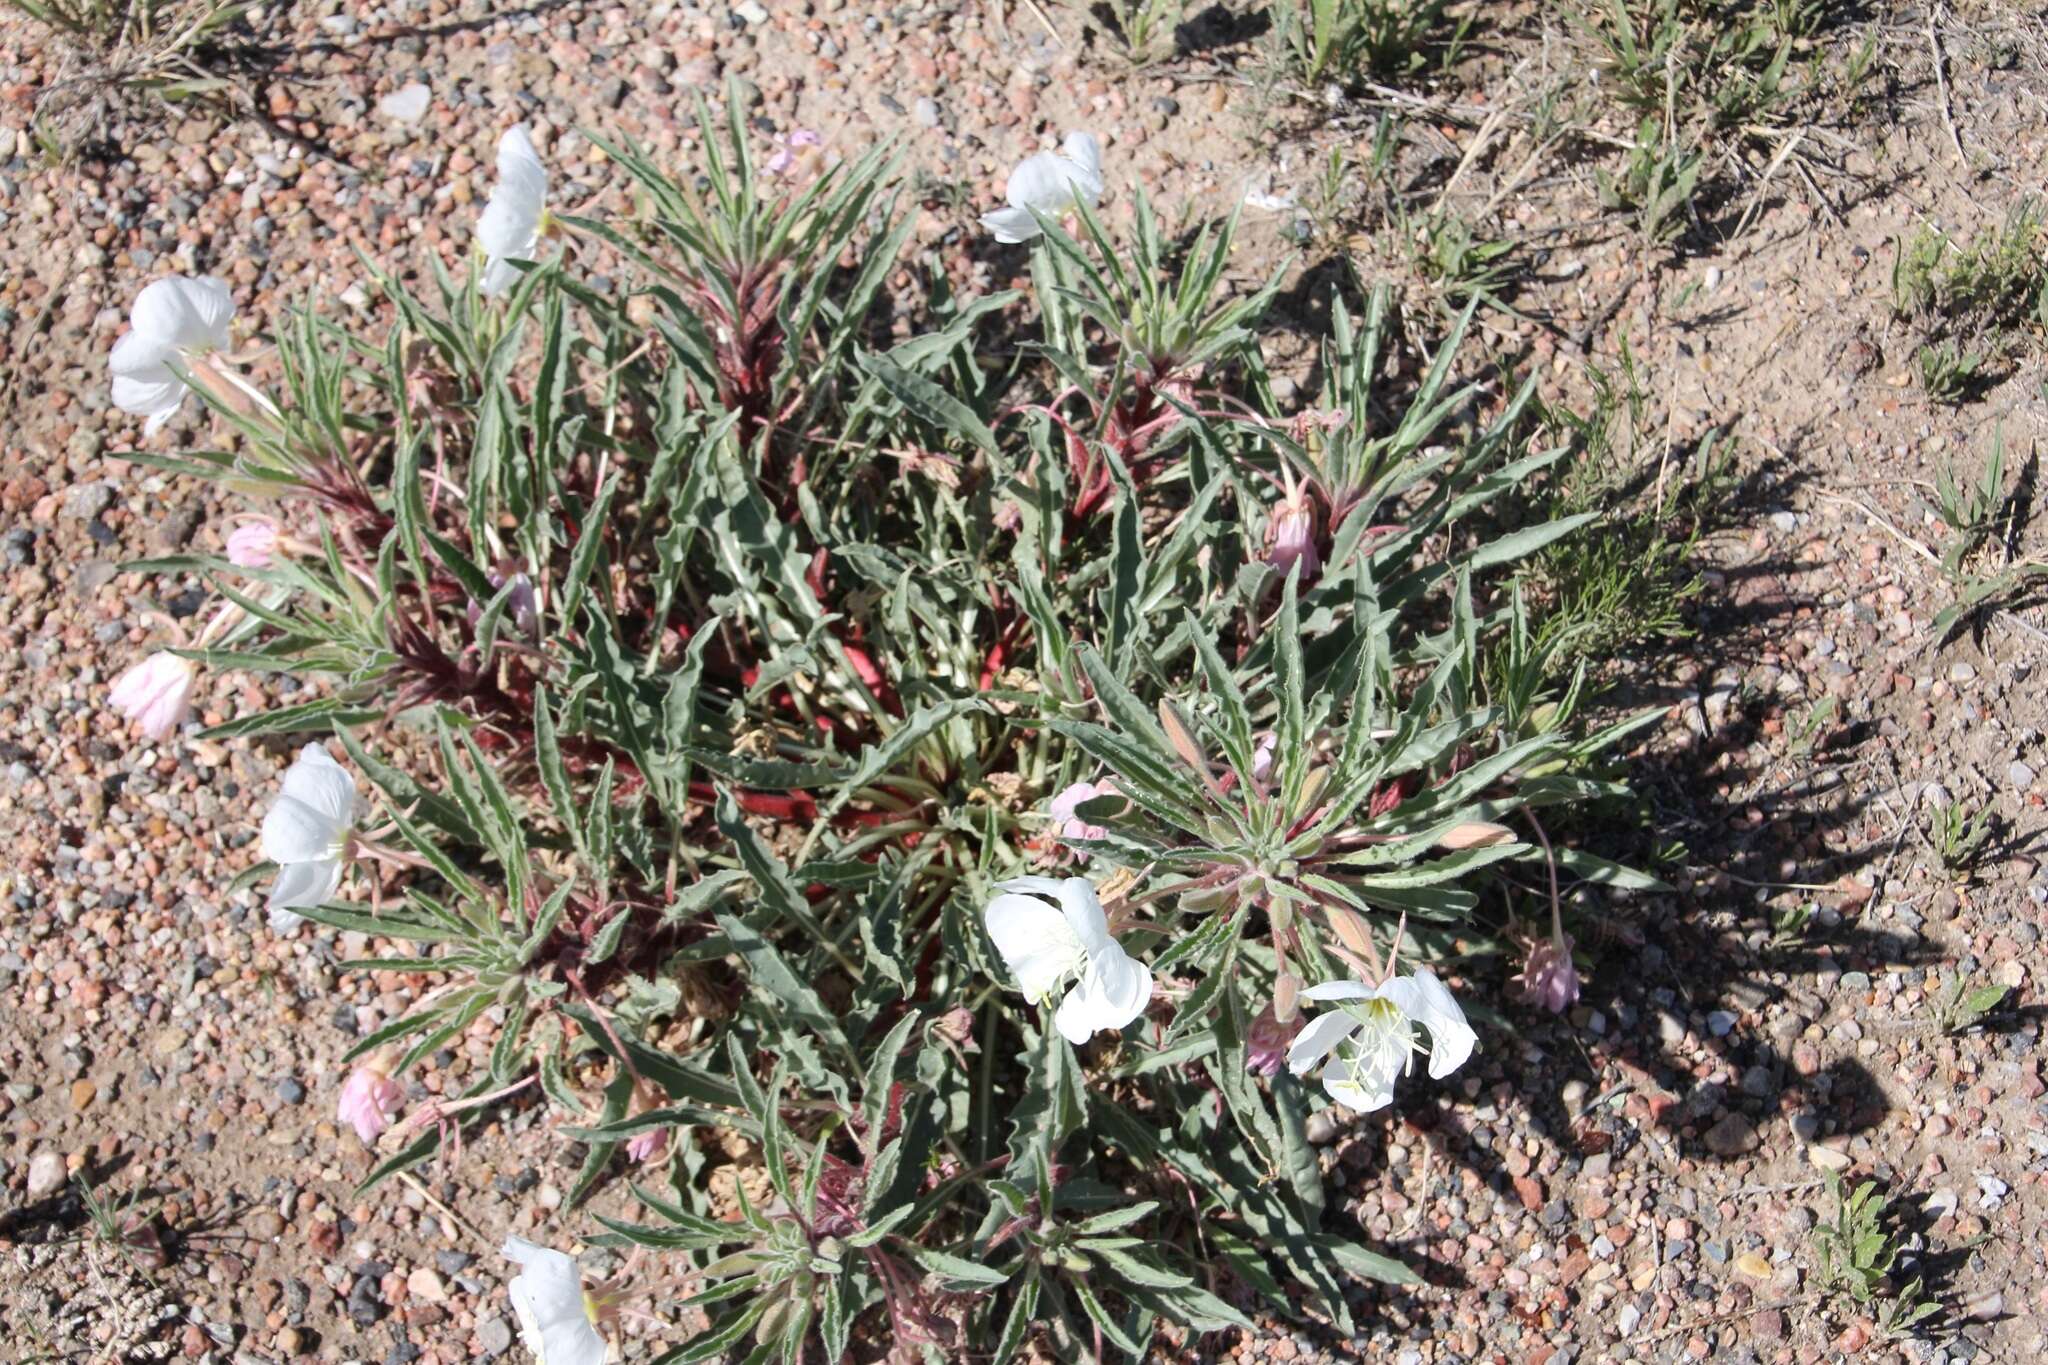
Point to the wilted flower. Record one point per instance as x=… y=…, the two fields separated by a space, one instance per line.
x=1047 y=930
x=555 y=1317
x=1549 y=978
x=307 y=834
x=522 y=604
x=1051 y=183
x=369 y=1099
x=253 y=544
x=786 y=150
x=1267 y=1040
x=1383 y=1018
x=652 y=1144
x=510 y=225
x=174 y=319
x=1067 y=824
x=1292 y=536
x=156 y=694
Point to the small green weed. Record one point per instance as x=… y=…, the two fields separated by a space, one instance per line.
x=1959 y=836
x=1793 y=923
x=1948 y=373
x=1349 y=40
x=1630 y=584
x=1960 y=1005
x=1973 y=514
x=1858 y=1249
x=1140 y=24
x=1462 y=265
x=1656 y=183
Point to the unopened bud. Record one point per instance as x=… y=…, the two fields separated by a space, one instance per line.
x=1286 y=993
x=1476 y=834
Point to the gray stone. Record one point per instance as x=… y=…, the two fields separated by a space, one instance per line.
x=1732 y=1136
x=495 y=1336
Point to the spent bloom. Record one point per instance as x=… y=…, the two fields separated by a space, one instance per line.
x=1267 y=1040
x=1069 y=825
x=369 y=1099
x=789 y=150
x=156 y=694
x=1370 y=1040
x=1049 y=930
x=651 y=1145
x=1549 y=978
x=174 y=319
x=307 y=834
x=1052 y=183
x=253 y=544
x=1292 y=536
x=555 y=1316
x=510 y=226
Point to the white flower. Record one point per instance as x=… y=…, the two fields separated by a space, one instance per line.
x=1048 y=929
x=174 y=318
x=1050 y=182
x=1375 y=1040
x=307 y=834
x=554 y=1316
x=156 y=694
x=509 y=227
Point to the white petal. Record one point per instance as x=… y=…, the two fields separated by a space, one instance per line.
x=1360 y=1085
x=1317 y=1037
x=181 y=314
x=305 y=886
x=1033 y=886
x=317 y=780
x=547 y=1294
x=293 y=832
x=1011 y=225
x=1450 y=1037
x=1084 y=915
x=157 y=398
x=140 y=356
x=1035 y=942
x=509 y=227
x=1043 y=181
x=1339 y=990
x=283 y=920
x=498 y=277
x=1085 y=151
x=520 y=169
x=1113 y=992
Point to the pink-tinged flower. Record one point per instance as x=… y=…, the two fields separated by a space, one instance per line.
x=1267 y=1041
x=787 y=149
x=1292 y=537
x=1262 y=756
x=651 y=1145
x=156 y=694
x=1066 y=823
x=253 y=544
x=369 y=1100
x=648 y=1146
x=1548 y=978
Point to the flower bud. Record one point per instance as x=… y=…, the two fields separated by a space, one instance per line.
x=1476 y=834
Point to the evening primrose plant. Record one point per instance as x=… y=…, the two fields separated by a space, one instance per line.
x=934 y=820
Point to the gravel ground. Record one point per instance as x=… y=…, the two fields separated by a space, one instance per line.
x=1638 y=1180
